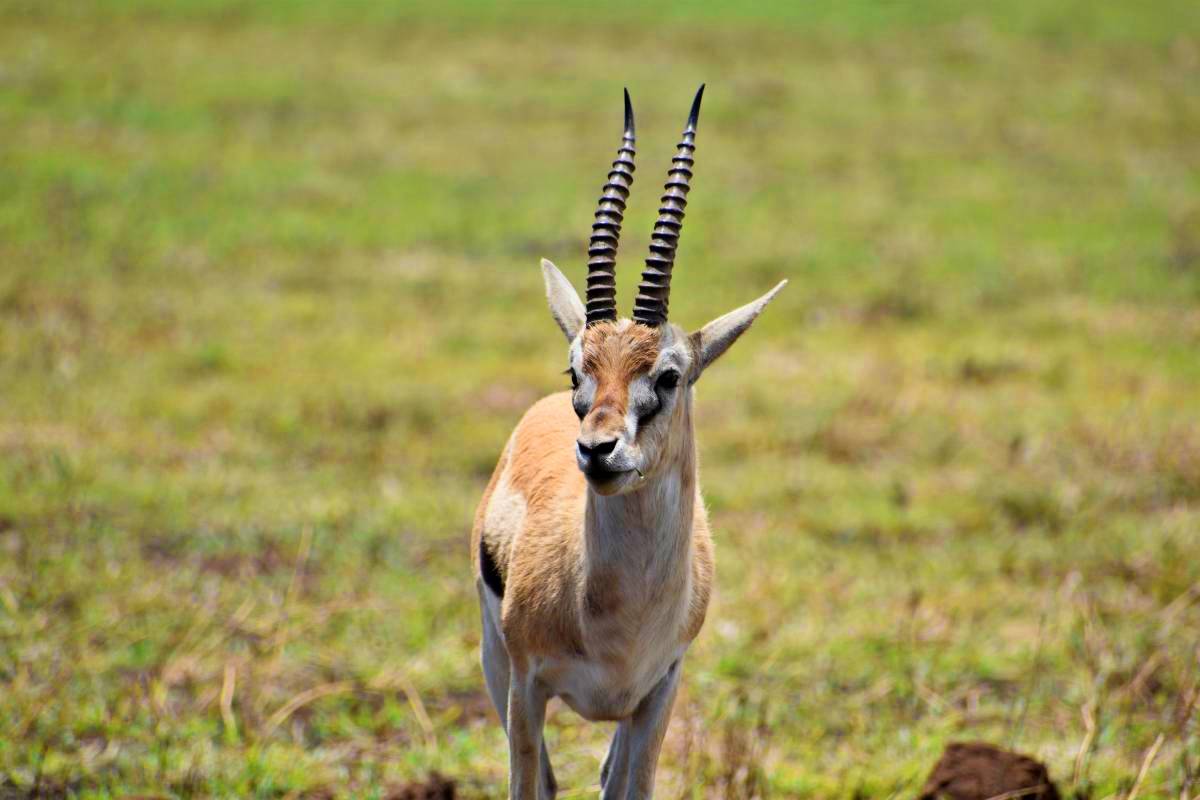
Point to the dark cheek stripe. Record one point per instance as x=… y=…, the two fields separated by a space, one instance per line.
x=650 y=413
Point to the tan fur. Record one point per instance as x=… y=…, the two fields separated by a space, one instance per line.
x=541 y=561
x=703 y=568
x=614 y=355
x=591 y=546
x=539 y=468
x=605 y=583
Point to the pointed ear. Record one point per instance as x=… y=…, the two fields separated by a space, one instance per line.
x=564 y=301
x=715 y=338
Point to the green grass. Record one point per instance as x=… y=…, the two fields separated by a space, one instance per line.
x=270 y=305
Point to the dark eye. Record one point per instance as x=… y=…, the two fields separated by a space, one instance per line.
x=668 y=380
x=574 y=379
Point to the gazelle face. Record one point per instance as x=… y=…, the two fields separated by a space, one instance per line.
x=630 y=386
x=631 y=379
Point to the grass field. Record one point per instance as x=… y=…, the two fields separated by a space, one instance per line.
x=270 y=305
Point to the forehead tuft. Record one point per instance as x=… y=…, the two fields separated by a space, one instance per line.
x=619 y=349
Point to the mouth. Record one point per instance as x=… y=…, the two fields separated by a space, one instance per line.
x=610 y=480
x=605 y=475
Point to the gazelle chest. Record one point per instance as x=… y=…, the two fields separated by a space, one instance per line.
x=632 y=634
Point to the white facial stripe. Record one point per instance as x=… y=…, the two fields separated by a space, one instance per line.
x=581 y=399
x=575 y=354
x=674 y=357
x=631 y=422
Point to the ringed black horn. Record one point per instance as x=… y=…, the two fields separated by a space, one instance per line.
x=606 y=229
x=654 y=292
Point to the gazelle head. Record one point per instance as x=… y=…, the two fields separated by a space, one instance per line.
x=631 y=379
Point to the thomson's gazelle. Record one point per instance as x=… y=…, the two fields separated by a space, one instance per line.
x=591 y=546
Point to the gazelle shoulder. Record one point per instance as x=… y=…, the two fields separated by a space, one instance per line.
x=541 y=464
x=535 y=471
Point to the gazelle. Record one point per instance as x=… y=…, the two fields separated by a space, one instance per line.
x=591 y=546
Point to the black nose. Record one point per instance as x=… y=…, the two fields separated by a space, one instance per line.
x=596 y=449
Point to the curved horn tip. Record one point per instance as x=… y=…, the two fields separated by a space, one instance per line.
x=629 y=126
x=694 y=115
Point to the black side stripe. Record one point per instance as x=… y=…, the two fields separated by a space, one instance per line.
x=489 y=570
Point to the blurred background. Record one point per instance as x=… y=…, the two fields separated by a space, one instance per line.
x=270 y=305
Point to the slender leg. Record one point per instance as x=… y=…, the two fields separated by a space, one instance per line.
x=647 y=727
x=494 y=656
x=614 y=775
x=496 y=673
x=526 y=716
x=548 y=785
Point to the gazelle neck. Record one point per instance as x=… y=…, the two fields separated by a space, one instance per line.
x=652 y=525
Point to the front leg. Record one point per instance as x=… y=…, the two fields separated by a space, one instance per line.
x=526 y=716
x=647 y=727
x=630 y=774
x=614 y=775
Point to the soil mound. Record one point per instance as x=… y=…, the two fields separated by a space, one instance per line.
x=980 y=771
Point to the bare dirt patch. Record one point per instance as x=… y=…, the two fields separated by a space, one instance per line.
x=435 y=787
x=979 y=771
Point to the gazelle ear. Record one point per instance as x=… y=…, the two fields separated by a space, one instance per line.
x=715 y=338
x=564 y=301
